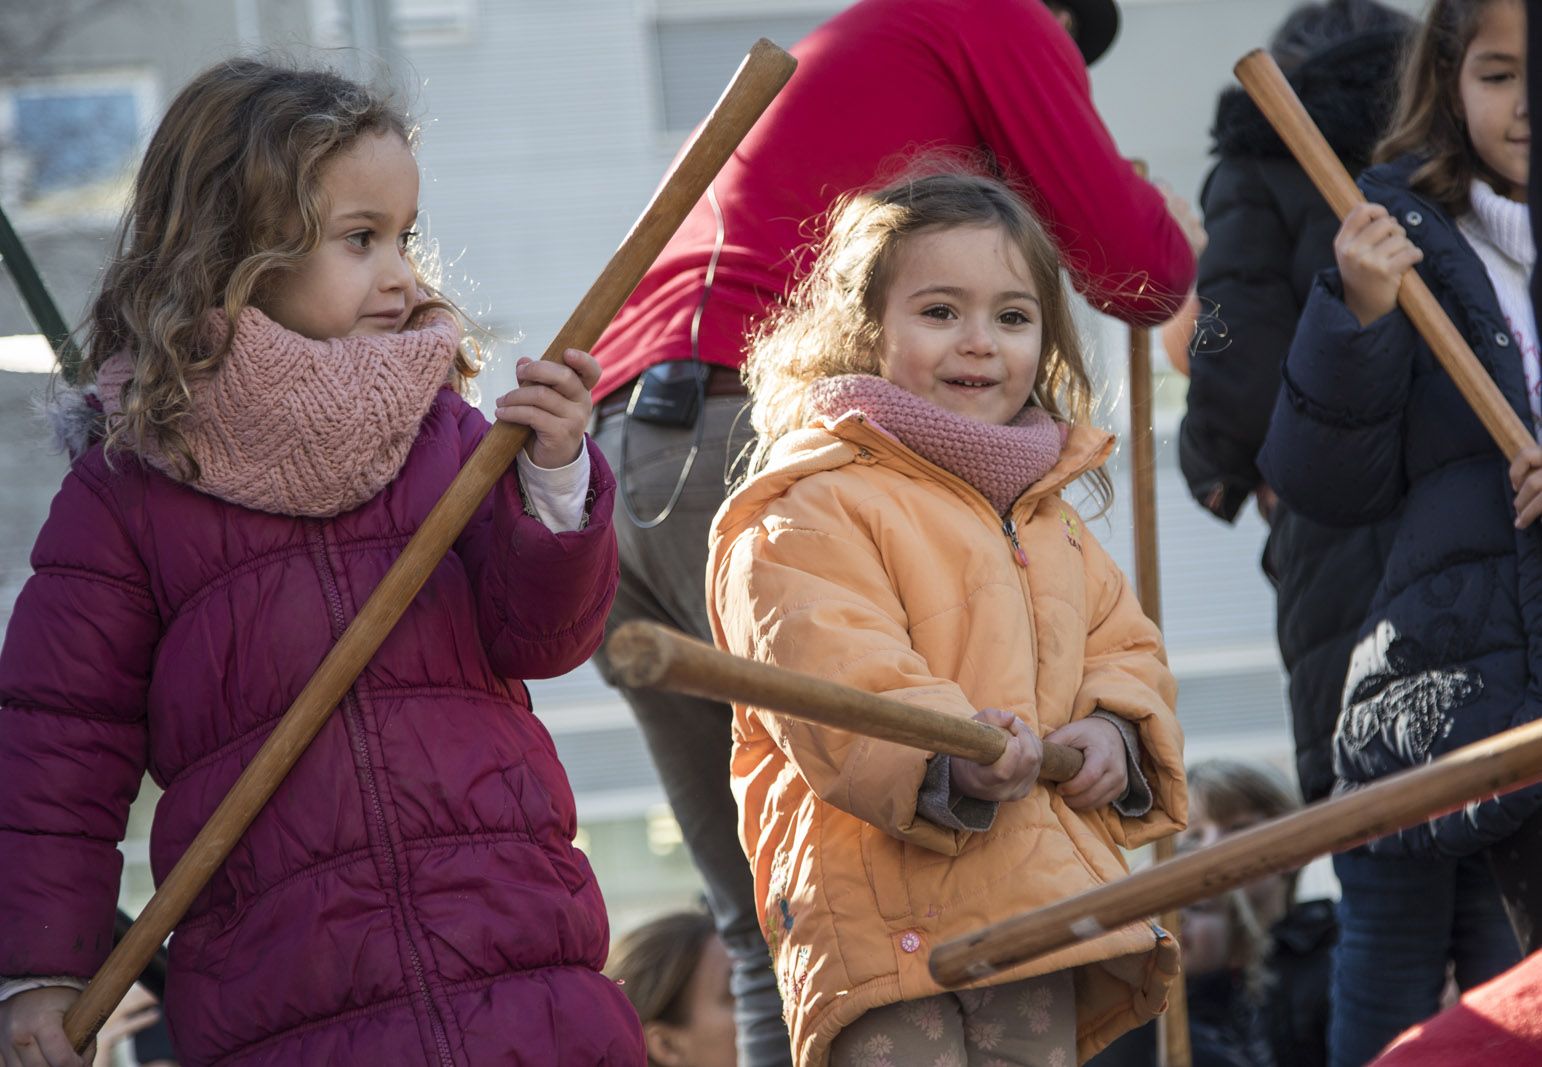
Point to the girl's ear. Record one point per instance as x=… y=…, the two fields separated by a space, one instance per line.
x=662 y=1041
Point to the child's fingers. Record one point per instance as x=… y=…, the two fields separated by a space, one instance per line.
x=547 y=399
x=57 y=1050
x=540 y=421
x=1525 y=461
x=585 y=366
x=1378 y=232
x=45 y=1049
x=1401 y=259
x=1528 y=501
x=555 y=376
x=1102 y=791
x=1094 y=770
x=1359 y=217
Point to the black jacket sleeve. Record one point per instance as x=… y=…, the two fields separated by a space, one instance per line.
x=1251 y=290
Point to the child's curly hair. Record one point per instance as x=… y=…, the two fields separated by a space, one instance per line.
x=831 y=322
x=228 y=197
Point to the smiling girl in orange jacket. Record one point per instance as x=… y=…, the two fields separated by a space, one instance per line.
x=920 y=406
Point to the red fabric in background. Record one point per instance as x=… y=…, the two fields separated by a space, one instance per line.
x=876 y=85
x=1500 y=1022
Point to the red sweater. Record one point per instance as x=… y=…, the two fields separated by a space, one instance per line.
x=876 y=84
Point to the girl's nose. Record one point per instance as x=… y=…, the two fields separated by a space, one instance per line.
x=977 y=339
x=399 y=275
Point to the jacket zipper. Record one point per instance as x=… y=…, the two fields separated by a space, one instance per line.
x=1009 y=527
x=355 y=716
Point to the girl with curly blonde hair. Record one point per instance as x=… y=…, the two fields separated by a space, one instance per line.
x=922 y=404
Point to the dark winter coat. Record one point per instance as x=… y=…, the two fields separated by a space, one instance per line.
x=1367 y=423
x=1270 y=233
x=1299 y=969
x=411 y=894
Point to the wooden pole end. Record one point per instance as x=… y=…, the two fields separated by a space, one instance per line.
x=1248 y=60
x=638 y=655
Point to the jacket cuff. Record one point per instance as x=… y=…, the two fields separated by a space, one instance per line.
x=1352 y=375
x=557 y=496
x=10 y=987
x=1136 y=799
x=940 y=803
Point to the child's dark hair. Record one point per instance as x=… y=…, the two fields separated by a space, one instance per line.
x=1428 y=120
x=654 y=964
x=830 y=324
x=227 y=198
x=1315 y=27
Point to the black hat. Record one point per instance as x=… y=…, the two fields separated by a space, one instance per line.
x=1097 y=24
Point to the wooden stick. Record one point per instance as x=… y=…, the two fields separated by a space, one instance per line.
x=760 y=77
x=1506 y=761
x=1262 y=78
x=1174 y=1046
x=645 y=655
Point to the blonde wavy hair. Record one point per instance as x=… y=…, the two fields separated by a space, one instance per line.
x=227 y=199
x=831 y=322
x=1428 y=120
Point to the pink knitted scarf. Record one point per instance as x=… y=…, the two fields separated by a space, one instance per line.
x=1002 y=462
x=293 y=426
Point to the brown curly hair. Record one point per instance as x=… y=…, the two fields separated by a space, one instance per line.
x=830 y=324
x=227 y=199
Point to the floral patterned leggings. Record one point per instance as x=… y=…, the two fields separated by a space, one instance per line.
x=1031 y=1023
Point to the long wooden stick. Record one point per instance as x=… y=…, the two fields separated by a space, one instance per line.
x=1261 y=77
x=648 y=656
x=1172 y=1025
x=1506 y=761
x=760 y=77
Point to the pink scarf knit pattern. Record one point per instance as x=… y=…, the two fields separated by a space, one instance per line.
x=293 y=426
x=1002 y=462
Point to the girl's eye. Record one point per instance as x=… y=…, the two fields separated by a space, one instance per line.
x=937 y=311
x=1497 y=79
x=407 y=240
x=1014 y=317
x=360 y=238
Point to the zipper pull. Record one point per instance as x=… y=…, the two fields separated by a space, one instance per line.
x=1009 y=527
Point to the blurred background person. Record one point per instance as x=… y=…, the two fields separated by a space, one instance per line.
x=675 y=970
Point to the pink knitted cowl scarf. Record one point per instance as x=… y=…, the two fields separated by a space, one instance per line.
x=1002 y=462
x=294 y=426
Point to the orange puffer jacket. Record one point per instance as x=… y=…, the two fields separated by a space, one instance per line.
x=852 y=558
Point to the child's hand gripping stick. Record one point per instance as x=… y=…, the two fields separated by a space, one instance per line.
x=760 y=77
x=1264 y=82
x=648 y=656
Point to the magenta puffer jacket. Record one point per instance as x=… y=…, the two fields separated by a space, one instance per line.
x=411 y=894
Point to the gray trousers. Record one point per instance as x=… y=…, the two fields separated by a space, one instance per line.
x=663 y=580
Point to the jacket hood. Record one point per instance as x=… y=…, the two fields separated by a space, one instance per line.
x=73 y=416
x=1349 y=90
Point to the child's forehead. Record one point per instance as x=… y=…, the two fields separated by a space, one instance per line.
x=978 y=250
x=376 y=175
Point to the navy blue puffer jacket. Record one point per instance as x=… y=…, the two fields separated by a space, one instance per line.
x=1366 y=421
